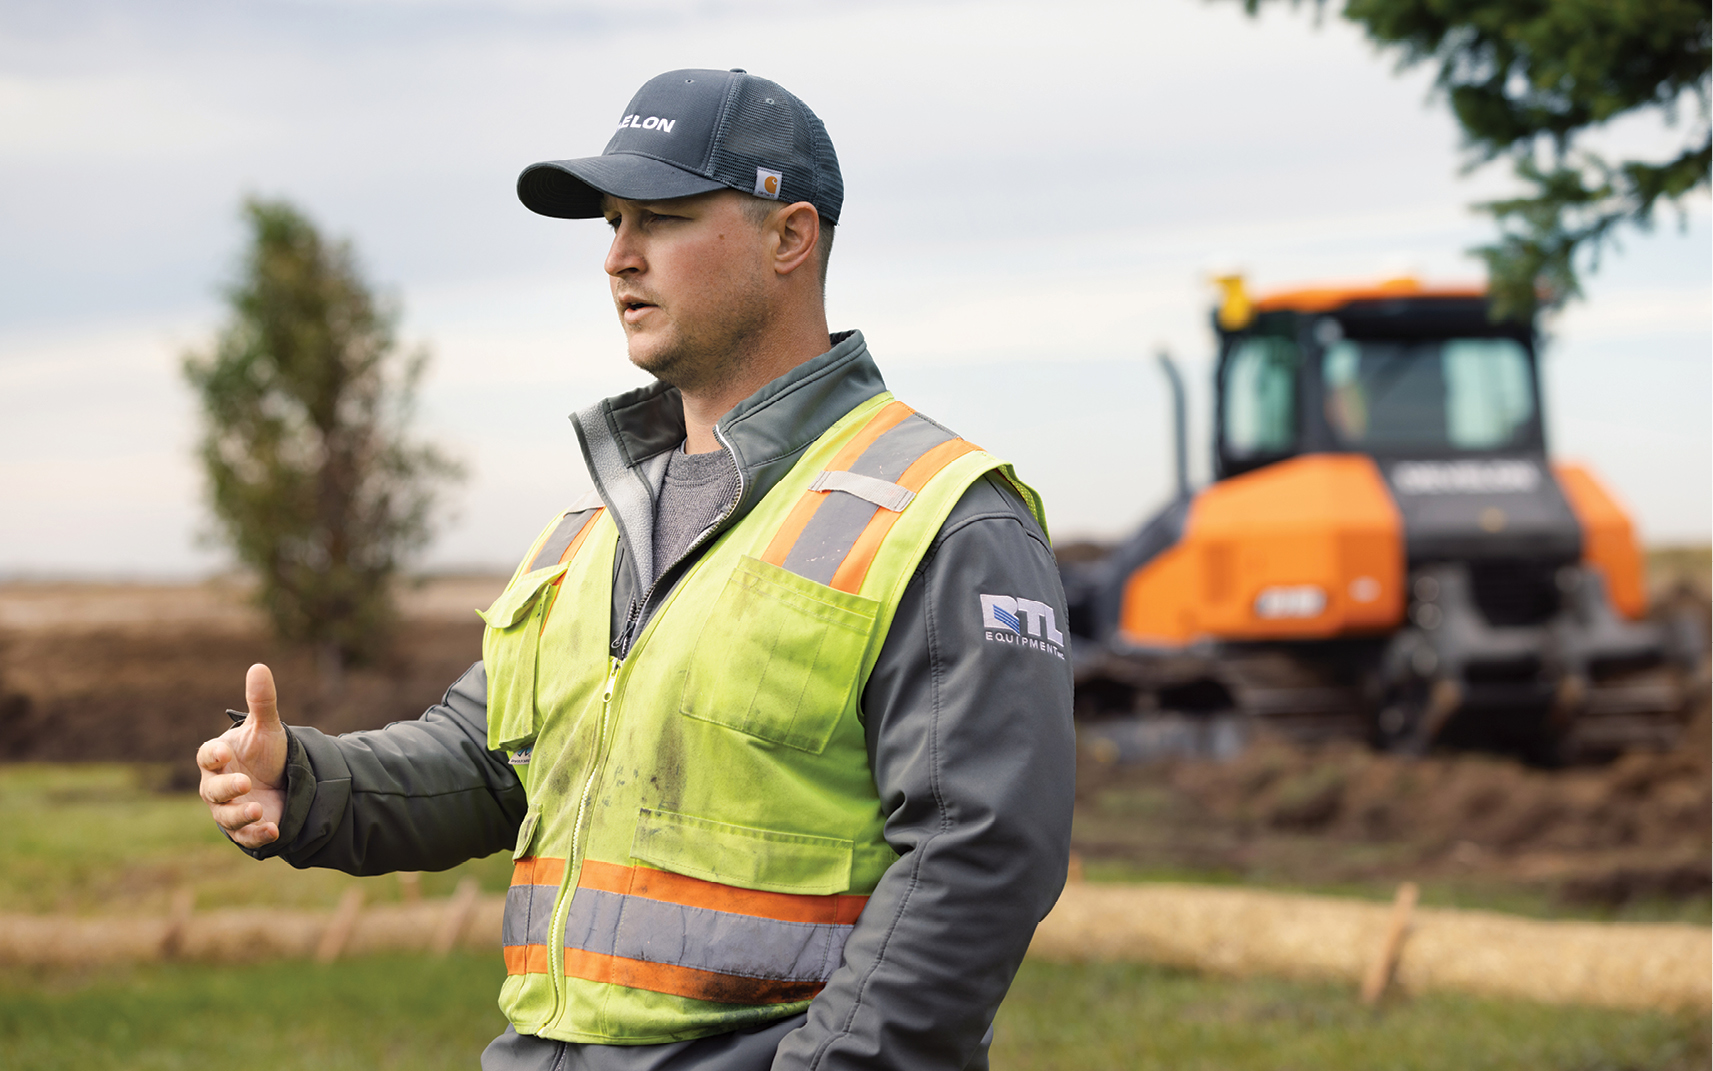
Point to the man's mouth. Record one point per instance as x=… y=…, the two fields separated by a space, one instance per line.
x=631 y=310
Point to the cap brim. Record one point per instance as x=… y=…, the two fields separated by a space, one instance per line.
x=572 y=189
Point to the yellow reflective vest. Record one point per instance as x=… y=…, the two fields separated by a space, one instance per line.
x=703 y=828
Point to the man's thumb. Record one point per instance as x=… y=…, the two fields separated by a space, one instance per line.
x=262 y=699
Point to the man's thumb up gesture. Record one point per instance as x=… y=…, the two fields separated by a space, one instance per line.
x=243 y=769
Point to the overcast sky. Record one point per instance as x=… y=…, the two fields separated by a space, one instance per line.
x=1035 y=195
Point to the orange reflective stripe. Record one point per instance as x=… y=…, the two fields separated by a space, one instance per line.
x=576 y=544
x=890 y=416
x=795 y=521
x=694 y=892
x=528 y=959
x=850 y=573
x=570 y=552
x=542 y=555
x=543 y=870
x=582 y=534
x=685 y=981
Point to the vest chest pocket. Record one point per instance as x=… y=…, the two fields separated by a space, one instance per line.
x=779 y=657
x=510 y=646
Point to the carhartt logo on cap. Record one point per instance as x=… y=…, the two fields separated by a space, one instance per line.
x=767 y=183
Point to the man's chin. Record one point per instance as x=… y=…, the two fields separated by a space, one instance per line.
x=651 y=359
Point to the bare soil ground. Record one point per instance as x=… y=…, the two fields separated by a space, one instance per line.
x=138 y=673
x=143 y=673
x=1630 y=838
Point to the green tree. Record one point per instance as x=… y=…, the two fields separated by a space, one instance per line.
x=1528 y=80
x=306 y=399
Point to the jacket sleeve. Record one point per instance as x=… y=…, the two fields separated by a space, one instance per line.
x=970 y=737
x=416 y=795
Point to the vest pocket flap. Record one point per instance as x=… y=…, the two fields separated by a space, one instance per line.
x=743 y=856
x=779 y=657
x=520 y=595
x=510 y=646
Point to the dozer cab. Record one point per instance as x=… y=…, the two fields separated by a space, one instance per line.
x=1386 y=551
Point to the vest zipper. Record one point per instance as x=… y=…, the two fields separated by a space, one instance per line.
x=622 y=644
x=574 y=864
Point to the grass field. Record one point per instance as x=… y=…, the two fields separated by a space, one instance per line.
x=410 y=1012
x=99 y=838
x=405 y=1013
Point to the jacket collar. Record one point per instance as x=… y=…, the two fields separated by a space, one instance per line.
x=626 y=439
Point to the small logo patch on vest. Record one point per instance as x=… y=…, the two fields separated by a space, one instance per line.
x=1020 y=622
x=521 y=758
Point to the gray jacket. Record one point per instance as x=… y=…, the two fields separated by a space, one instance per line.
x=969 y=738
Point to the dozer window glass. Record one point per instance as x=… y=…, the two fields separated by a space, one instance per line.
x=1260 y=397
x=1466 y=394
x=1488 y=400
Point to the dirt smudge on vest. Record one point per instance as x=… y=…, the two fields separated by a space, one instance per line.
x=667 y=782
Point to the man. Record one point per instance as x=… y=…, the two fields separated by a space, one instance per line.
x=777 y=722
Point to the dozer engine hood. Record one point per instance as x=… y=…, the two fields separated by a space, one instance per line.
x=1482 y=508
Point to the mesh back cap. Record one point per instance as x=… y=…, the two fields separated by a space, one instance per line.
x=693 y=131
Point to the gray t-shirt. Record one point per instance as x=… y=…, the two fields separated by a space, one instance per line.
x=696 y=490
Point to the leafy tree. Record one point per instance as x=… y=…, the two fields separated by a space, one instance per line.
x=306 y=398
x=1527 y=80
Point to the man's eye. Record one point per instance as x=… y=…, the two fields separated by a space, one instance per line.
x=613 y=222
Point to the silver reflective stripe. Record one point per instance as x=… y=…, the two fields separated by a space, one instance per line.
x=654 y=931
x=563 y=533
x=529 y=914
x=888 y=456
x=828 y=537
x=831 y=533
x=882 y=493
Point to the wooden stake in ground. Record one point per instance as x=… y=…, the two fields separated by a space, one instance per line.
x=178 y=920
x=455 y=918
x=338 y=932
x=1385 y=962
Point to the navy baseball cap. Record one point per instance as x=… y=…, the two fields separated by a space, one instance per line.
x=690 y=132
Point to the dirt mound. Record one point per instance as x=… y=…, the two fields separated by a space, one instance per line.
x=1643 y=800
x=1635 y=829
x=144 y=675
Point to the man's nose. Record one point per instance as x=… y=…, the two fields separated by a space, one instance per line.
x=623 y=255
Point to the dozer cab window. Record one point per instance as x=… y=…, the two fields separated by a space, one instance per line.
x=1258 y=418
x=1441 y=394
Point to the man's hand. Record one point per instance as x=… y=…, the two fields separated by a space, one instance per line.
x=243 y=769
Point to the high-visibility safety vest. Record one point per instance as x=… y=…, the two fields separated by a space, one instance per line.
x=703 y=826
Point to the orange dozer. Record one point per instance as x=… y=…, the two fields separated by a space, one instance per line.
x=1386 y=550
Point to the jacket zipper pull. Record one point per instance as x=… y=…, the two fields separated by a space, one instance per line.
x=612 y=678
x=622 y=645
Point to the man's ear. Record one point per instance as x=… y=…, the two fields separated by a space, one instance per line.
x=797 y=229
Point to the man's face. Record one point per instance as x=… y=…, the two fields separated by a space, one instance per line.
x=690 y=280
